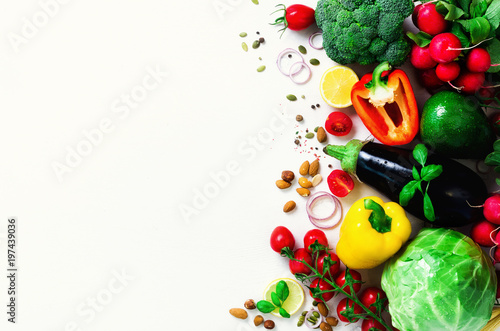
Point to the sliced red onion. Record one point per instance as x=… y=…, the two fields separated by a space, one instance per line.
x=318 y=322
x=293 y=74
x=280 y=57
x=327 y=218
x=311 y=40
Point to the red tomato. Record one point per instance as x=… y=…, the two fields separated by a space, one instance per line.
x=334 y=269
x=338 y=124
x=353 y=308
x=372 y=324
x=340 y=183
x=369 y=296
x=340 y=281
x=323 y=286
x=299 y=17
x=312 y=235
x=297 y=267
x=281 y=238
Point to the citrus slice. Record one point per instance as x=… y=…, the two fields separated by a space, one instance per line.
x=336 y=85
x=295 y=298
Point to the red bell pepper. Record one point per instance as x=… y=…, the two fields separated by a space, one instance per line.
x=386 y=104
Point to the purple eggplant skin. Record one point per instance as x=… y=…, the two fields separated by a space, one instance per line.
x=454 y=193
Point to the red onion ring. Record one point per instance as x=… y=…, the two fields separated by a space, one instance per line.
x=282 y=54
x=311 y=37
x=303 y=65
x=328 y=221
x=308 y=324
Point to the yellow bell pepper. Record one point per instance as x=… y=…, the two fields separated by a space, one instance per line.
x=372 y=232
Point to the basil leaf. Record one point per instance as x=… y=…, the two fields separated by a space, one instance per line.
x=284 y=313
x=431 y=171
x=458 y=31
x=478 y=28
x=415 y=173
x=275 y=299
x=420 y=154
x=282 y=290
x=493 y=15
x=478 y=8
x=265 y=306
x=408 y=192
x=449 y=11
x=422 y=39
x=428 y=208
x=494 y=49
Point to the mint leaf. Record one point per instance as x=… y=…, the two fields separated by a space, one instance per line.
x=284 y=313
x=408 y=192
x=275 y=299
x=428 y=208
x=420 y=154
x=282 y=290
x=265 y=306
x=431 y=171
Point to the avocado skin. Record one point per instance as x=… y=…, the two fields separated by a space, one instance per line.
x=456 y=126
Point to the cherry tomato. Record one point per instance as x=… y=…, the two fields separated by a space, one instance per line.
x=334 y=268
x=353 y=308
x=281 y=237
x=312 y=235
x=340 y=281
x=340 y=183
x=338 y=124
x=369 y=296
x=372 y=324
x=298 y=17
x=297 y=267
x=323 y=286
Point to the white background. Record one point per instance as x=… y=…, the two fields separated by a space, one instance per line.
x=109 y=229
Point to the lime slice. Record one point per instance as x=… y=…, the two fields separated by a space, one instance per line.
x=295 y=299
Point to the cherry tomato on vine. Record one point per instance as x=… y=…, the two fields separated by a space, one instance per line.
x=334 y=267
x=312 y=235
x=281 y=237
x=351 y=307
x=297 y=267
x=369 y=296
x=295 y=17
x=340 y=183
x=372 y=324
x=340 y=281
x=338 y=124
x=323 y=286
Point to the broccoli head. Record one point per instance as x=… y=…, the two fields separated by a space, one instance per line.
x=364 y=31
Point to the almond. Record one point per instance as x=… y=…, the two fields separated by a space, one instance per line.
x=238 y=313
x=289 y=206
x=314 y=168
x=282 y=184
x=321 y=135
x=303 y=192
x=287 y=176
x=316 y=180
x=304 y=182
x=332 y=321
x=323 y=309
x=325 y=327
x=258 y=320
x=304 y=168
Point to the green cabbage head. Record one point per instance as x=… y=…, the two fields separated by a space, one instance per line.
x=441 y=280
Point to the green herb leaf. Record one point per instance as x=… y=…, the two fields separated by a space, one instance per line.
x=428 y=208
x=493 y=49
x=415 y=173
x=492 y=159
x=408 y=192
x=458 y=31
x=422 y=39
x=478 y=8
x=464 y=4
x=497 y=180
x=431 y=171
x=276 y=300
x=420 y=154
x=493 y=15
x=449 y=11
x=478 y=28
x=496 y=145
x=282 y=290
x=284 y=313
x=265 y=306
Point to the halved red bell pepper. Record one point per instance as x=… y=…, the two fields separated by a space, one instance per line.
x=386 y=104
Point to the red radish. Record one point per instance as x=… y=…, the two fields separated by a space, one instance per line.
x=420 y=57
x=429 y=79
x=478 y=60
x=469 y=82
x=443 y=47
x=491 y=209
x=496 y=258
x=414 y=15
x=483 y=233
x=430 y=21
x=448 y=71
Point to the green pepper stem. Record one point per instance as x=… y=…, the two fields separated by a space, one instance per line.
x=377 y=81
x=379 y=220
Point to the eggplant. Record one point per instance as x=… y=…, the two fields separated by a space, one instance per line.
x=454 y=193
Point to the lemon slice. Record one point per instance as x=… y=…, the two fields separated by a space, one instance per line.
x=295 y=299
x=336 y=85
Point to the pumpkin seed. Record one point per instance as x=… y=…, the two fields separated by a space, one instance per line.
x=314 y=62
x=316 y=129
x=255 y=2
x=256 y=44
x=261 y=68
x=244 y=46
x=243 y=34
x=309 y=135
x=291 y=97
x=302 y=49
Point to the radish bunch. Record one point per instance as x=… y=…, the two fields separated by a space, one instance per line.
x=486 y=233
x=440 y=57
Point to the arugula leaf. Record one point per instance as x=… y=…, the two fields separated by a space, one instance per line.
x=284 y=313
x=420 y=154
x=493 y=15
x=265 y=306
x=431 y=171
x=449 y=11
